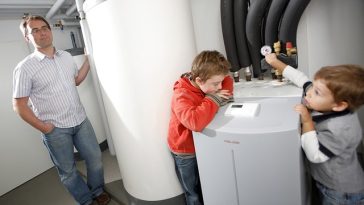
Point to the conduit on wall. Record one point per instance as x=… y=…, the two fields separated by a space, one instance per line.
x=265 y=22
x=290 y=19
x=254 y=24
x=273 y=19
x=227 y=21
x=240 y=13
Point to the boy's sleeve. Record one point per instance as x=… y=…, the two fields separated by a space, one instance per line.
x=194 y=116
x=296 y=76
x=228 y=84
x=312 y=147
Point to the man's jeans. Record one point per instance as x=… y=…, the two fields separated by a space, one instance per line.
x=187 y=173
x=60 y=144
x=332 y=197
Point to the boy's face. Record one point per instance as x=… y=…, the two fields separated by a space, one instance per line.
x=211 y=85
x=320 y=98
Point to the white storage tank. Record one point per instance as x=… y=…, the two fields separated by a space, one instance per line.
x=136 y=74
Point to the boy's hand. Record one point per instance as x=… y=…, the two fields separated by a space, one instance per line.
x=275 y=62
x=306 y=119
x=305 y=114
x=270 y=58
x=221 y=98
x=224 y=94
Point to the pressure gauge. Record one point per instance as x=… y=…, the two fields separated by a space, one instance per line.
x=265 y=50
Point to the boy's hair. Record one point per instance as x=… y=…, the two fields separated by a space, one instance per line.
x=209 y=63
x=346 y=82
x=26 y=19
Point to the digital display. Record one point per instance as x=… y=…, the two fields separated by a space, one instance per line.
x=236 y=106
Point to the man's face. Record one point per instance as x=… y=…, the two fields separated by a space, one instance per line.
x=39 y=34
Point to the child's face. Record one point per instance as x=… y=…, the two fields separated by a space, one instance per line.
x=211 y=85
x=319 y=97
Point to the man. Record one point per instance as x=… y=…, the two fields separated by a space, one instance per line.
x=47 y=79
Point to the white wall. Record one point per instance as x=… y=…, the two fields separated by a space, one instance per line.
x=22 y=153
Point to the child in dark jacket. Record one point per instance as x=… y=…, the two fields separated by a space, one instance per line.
x=196 y=99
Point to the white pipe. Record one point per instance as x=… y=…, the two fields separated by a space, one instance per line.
x=56 y=6
x=63 y=16
x=88 y=47
x=25 y=2
x=71 y=9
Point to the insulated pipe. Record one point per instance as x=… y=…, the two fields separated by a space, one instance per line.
x=227 y=23
x=273 y=19
x=88 y=46
x=290 y=19
x=254 y=23
x=240 y=13
x=56 y=6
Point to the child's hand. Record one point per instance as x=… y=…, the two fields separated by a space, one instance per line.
x=225 y=94
x=275 y=62
x=221 y=97
x=270 y=58
x=306 y=119
x=305 y=114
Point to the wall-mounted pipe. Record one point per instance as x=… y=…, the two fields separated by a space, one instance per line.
x=290 y=19
x=273 y=19
x=71 y=10
x=227 y=23
x=240 y=14
x=254 y=22
x=56 y=6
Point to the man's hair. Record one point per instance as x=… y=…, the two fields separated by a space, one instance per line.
x=26 y=19
x=209 y=63
x=346 y=82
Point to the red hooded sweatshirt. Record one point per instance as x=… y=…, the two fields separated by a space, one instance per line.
x=191 y=111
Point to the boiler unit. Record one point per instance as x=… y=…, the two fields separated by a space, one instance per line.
x=251 y=153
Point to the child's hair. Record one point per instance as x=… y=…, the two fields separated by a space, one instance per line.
x=26 y=19
x=209 y=63
x=346 y=82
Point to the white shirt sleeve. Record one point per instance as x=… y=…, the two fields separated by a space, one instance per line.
x=310 y=145
x=294 y=75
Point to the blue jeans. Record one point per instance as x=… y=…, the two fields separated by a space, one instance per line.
x=187 y=173
x=60 y=144
x=332 y=197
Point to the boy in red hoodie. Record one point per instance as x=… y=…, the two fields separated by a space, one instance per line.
x=196 y=99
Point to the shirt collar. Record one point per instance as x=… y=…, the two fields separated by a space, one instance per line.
x=41 y=56
x=324 y=116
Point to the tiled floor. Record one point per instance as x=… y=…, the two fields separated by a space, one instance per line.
x=46 y=189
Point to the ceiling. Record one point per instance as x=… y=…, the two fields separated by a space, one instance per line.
x=15 y=9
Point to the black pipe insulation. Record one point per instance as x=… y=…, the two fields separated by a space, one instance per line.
x=290 y=19
x=273 y=19
x=240 y=14
x=254 y=21
x=227 y=23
